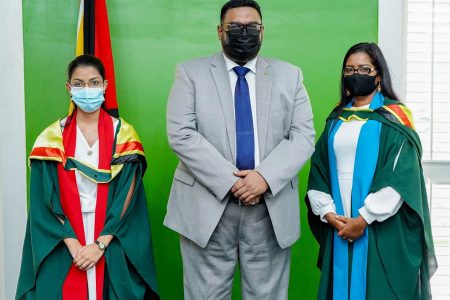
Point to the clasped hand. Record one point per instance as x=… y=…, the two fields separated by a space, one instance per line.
x=349 y=229
x=249 y=187
x=84 y=257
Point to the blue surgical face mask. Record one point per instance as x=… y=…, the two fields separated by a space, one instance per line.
x=87 y=99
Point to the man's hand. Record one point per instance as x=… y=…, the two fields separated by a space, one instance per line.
x=353 y=229
x=88 y=257
x=253 y=202
x=334 y=221
x=250 y=186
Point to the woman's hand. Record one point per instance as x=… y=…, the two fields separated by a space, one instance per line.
x=73 y=245
x=353 y=228
x=88 y=257
x=334 y=221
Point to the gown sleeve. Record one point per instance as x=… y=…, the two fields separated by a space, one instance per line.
x=45 y=257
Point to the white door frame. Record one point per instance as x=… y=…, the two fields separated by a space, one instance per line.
x=13 y=191
x=392 y=20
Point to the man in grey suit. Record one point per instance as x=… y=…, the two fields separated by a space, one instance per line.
x=242 y=128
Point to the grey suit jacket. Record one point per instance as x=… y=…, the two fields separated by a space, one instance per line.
x=201 y=131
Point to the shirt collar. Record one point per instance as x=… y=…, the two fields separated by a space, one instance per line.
x=231 y=64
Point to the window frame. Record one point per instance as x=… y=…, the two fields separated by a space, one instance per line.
x=392 y=39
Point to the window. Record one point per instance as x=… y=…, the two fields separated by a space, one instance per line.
x=428 y=74
x=428 y=96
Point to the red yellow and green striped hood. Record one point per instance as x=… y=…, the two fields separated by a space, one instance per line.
x=399 y=113
x=392 y=111
x=127 y=147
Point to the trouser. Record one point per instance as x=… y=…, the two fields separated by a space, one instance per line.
x=245 y=235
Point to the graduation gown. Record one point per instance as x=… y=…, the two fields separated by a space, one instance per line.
x=129 y=271
x=401 y=256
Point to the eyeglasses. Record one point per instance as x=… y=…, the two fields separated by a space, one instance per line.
x=237 y=29
x=363 y=70
x=93 y=83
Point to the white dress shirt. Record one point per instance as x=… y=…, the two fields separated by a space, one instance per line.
x=378 y=206
x=250 y=77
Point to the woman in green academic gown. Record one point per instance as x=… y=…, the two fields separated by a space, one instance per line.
x=367 y=201
x=88 y=232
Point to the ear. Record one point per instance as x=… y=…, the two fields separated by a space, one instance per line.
x=220 y=32
x=378 y=79
x=105 y=85
x=261 y=34
x=68 y=87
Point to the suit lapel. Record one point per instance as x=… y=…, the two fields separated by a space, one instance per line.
x=264 y=77
x=222 y=81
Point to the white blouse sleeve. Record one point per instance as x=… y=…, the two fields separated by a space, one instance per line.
x=381 y=205
x=321 y=204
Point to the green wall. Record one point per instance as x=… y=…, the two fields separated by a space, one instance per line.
x=149 y=38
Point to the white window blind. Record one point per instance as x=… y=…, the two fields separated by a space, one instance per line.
x=428 y=96
x=428 y=74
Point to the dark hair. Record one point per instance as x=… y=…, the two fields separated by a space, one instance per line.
x=86 y=61
x=378 y=61
x=239 y=3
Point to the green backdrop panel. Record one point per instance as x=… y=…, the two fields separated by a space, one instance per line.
x=149 y=38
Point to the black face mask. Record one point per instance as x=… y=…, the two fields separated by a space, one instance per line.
x=360 y=85
x=241 y=48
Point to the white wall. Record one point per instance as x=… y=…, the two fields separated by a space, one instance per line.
x=391 y=39
x=13 y=204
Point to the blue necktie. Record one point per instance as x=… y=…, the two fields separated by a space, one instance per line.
x=245 y=143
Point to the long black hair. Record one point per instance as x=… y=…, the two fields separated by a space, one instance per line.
x=379 y=62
